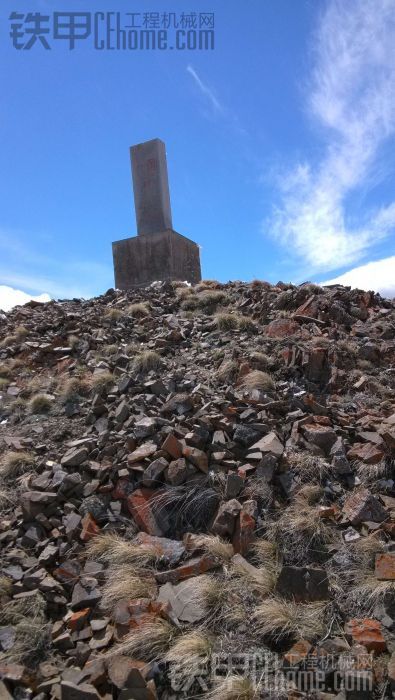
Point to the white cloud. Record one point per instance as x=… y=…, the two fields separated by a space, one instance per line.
x=352 y=99
x=377 y=276
x=10 y=297
x=205 y=90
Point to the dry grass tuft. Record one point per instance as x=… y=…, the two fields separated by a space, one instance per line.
x=5 y=371
x=259 y=360
x=258 y=380
x=5 y=586
x=112 y=315
x=7 y=497
x=102 y=381
x=32 y=631
x=190 y=651
x=284 y=619
x=301 y=533
x=263 y=579
x=246 y=323
x=235 y=687
x=147 y=360
x=109 y=350
x=132 y=348
x=19 y=405
x=309 y=468
x=73 y=341
x=8 y=340
x=149 y=642
x=73 y=388
x=184 y=292
x=21 y=333
x=40 y=403
x=354 y=580
x=189 y=302
x=125 y=582
x=216 y=546
x=226 y=321
x=112 y=549
x=139 y=310
x=13 y=464
x=211 y=594
x=310 y=494
x=227 y=371
x=209 y=299
x=264 y=551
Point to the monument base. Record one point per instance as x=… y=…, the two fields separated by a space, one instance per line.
x=165 y=255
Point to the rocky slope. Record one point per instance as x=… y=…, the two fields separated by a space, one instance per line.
x=197 y=494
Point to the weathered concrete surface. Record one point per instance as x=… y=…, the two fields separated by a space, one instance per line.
x=158 y=252
x=165 y=255
x=151 y=187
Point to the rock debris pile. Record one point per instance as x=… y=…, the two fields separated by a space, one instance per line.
x=197 y=494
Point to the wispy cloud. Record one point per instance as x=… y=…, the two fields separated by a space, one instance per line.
x=36 y=273
x=351 y=97
x=378 y=276
x=205 y=90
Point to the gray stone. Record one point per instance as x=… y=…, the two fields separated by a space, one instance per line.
x=303 y=584
x=234 y=484
x=152 y=475
x=225 y=521
x=85 y=594
x=182 y=599
x=75 y=457
x=71 y=691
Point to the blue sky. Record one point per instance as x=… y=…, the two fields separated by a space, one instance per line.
x=280 y=145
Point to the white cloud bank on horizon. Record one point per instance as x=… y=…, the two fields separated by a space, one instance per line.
x=10 y=297
x=378 y=276
x=351 y=99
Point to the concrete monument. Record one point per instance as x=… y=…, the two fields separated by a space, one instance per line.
x=157 y=252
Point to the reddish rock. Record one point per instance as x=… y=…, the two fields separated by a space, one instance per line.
x=172 y=446
x=367 y=632
x=385 y=566
x=192 y=567
x=143 y=610
x=197 y=457
x=78 y=619
x=169 y=550
x=140 y=506
x=282 y=328
x=362 y=505
x=366 y=452
x=244 y=533
x=298 y=653
x=322 y=436
x=89 y=528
